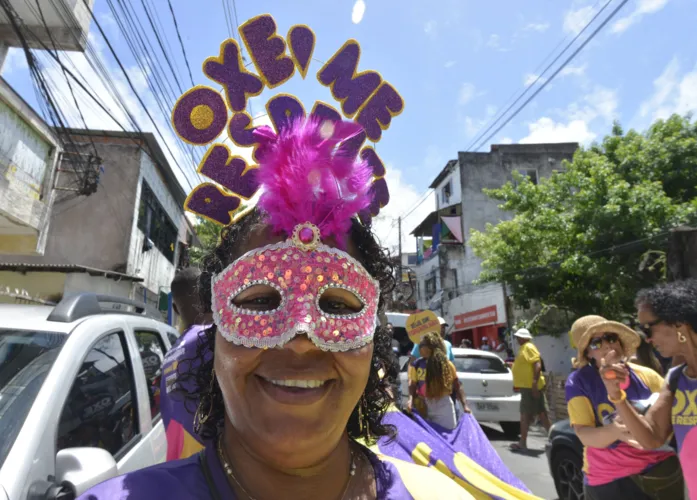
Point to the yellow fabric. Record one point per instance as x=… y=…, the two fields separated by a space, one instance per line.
x=581 y=411
x=652 y=379
x=190 y=446
x=425 y=483
x=524 y=367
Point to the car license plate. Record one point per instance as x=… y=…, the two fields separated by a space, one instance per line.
x=487 y=407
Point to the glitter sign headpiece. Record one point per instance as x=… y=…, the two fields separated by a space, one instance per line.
x=202 y=114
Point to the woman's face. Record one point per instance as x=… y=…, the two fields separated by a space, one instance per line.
x=290 y=405
x=663 y=336
x=601 y=344
x=424 y=352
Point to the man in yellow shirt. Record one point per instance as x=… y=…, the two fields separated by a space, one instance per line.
x=528 y=378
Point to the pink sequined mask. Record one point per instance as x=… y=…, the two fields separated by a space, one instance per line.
x=300 y=275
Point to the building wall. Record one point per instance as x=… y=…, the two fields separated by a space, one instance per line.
x=81 y=282
x=40 y=285
x=423 y=272
x=28 y=154
x=95 y=230
x=152 y=265
x=455 y=189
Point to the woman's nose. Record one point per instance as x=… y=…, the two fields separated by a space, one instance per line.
x=301 y=344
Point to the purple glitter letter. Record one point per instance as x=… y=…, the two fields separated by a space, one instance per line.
x=374 y=162
x=350 y=88
x=267 y=50
x=380 y=195
x=301 y=41
x=231 y=173
x=325 y=111
x=181 y=116
x=378 y=112
x=228 y=70
x=208 y=201
x=241 y=130
x=282 y=108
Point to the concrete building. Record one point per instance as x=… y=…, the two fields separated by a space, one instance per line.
x=29 y=150
x=133 y=229
x=447 y=267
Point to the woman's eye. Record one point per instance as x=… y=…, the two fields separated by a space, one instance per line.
x=258 y=298
x=338 y=306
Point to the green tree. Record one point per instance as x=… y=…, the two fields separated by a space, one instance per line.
x=576 y=240
x=208 y=233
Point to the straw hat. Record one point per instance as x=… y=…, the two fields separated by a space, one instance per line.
x=585 y=328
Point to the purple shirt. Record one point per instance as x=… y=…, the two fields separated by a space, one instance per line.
x=186 y=480
x=177 y=412
x=684 y=419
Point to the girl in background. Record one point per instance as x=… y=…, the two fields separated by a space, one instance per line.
x=432 y=378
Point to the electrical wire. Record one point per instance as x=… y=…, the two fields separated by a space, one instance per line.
x=546 y=82
x=540 y=76
x=181 y=43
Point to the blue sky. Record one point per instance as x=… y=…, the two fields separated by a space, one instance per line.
x=456 y=63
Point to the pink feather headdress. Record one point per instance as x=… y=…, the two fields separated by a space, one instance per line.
x=307 y=177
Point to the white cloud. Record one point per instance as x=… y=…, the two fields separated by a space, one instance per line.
x=358 y=11
x=643 y=8
x=574 y=70
x=547 y=130
x=450 y=64
x=494 y=41
x=531 y=78
x=467 y=93
x=430 y=28
x=403 y=197
x=576 y=20
x=505 y=140
x=672 y=93
x=473 y=126
x=539 y=27
x=598 y=106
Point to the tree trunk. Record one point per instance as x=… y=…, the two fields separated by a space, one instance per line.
x=682 y=254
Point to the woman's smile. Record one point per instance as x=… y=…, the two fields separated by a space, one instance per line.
x=295 y=391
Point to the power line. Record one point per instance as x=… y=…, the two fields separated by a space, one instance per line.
x=181 y=43
x=539 y=77
x=549 y=80
x=544 y=84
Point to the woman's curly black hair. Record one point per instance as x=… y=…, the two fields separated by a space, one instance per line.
x=196 y=384
x=674 y=302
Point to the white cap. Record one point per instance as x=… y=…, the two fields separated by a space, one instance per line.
x=523 y=333
x=442 y=321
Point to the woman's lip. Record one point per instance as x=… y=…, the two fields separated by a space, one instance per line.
x=294 y=395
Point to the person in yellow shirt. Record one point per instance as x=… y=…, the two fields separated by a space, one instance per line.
x=528 y=378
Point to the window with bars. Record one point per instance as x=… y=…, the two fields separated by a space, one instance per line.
x=155 y=224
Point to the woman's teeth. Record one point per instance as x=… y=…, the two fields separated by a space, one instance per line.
x=304 y=384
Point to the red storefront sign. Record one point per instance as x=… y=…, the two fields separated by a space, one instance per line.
x=484 y=316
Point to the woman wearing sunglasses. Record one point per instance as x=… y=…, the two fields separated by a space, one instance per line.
x=668 y=317
x=615 y=466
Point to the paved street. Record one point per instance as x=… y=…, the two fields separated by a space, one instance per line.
x=532 y=467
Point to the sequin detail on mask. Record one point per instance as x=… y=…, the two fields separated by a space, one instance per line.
x=300 y=277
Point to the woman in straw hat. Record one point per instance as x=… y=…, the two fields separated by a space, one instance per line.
x=668 y=317
x=615 y=466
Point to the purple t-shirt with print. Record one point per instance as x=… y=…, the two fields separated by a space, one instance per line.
x=189 y=479
x=684 y=419
x=178 y=412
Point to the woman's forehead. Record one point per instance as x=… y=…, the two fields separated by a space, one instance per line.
x=262 y=234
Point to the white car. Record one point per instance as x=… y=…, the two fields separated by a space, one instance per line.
x=488 y=384
x=79 y=394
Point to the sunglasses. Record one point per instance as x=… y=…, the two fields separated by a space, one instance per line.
x=646 y=327
x=597 y=342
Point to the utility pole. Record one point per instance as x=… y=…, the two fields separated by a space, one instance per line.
x=399 y=229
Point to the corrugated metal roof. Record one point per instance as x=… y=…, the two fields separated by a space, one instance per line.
x=66 y=268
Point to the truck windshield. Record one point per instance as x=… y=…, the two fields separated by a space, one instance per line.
x=26 y=358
